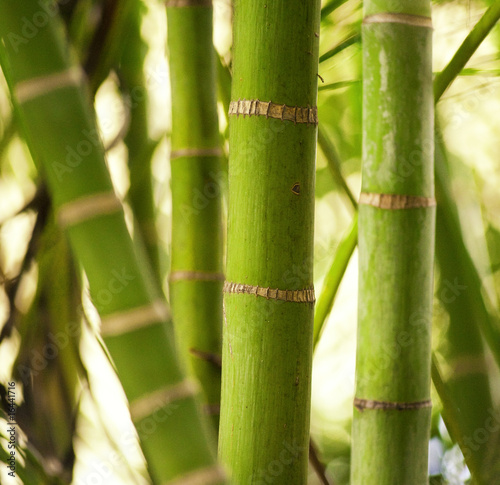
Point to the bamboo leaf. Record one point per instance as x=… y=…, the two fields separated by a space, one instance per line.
x=466 y=50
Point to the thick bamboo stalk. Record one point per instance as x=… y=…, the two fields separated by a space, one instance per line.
x=58 y=120
x=269 y=296
x=396 y=236
x=467 y=379
x=196 y=276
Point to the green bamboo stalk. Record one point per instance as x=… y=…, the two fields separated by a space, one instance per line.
x=391 y=419
x=196 y=276
x=56 y=115
x=460 y=293
x=139 y=143
x=267 y=346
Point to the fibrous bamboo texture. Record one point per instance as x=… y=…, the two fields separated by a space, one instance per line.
x=268 y=297
x=396 y=240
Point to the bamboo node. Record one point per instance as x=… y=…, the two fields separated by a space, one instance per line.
x=206 y=476
x=38 y=86
x=396 y=201
x=255 y=107
x=362 y=404
x=296 y=296
x=146 y=405
x=195 y=152
x=88 y=207
x=134 y=319
x=188 y=3
x=189 y=275
x=398 y=18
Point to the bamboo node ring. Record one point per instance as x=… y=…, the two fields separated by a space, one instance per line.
x=38 y=86
x=206 y=476
x=362 y=404
x=188 y=3
x=298 y=296
x=398 y=18
x=396 y=201
x=255 y=107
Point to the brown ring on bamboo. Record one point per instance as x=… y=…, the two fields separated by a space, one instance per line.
x=468 y=365
x=38 y=86
x=398 y=18
x=212 y=409
x=296 y=296
x=195 y=152
x=206 y=476
x=282 y=112
x=396 y=201
x=195 y=276
x=362 y=404
x=145 y=406
x=88 y=207
x=188 y=3
x=127 y=321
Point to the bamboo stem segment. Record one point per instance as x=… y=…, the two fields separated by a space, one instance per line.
x=269 y=297
x=396 y=236
x=196 y=267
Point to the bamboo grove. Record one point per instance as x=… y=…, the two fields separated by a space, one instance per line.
x=208 y=267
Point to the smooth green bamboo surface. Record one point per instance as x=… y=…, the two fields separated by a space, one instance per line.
x=59 y=122
x=196 y=277
x=396 y=235
x=267 y=346
x=139 y=143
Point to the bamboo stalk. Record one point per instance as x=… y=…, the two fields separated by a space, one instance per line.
x=396 y=234
x=266 y=372
x=469 y=46
x=196 y=266
x=58 y=120
x=138 y=140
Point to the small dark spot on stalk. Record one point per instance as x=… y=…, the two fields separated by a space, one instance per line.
x=296 y=188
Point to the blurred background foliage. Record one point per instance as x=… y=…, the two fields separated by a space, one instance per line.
x=72 y=410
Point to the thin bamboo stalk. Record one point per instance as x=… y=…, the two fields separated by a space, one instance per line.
x=469 y=45
x=266 y=372
x=57 y=118
x=196 y=276
x=396 y=234
x=139 y=143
